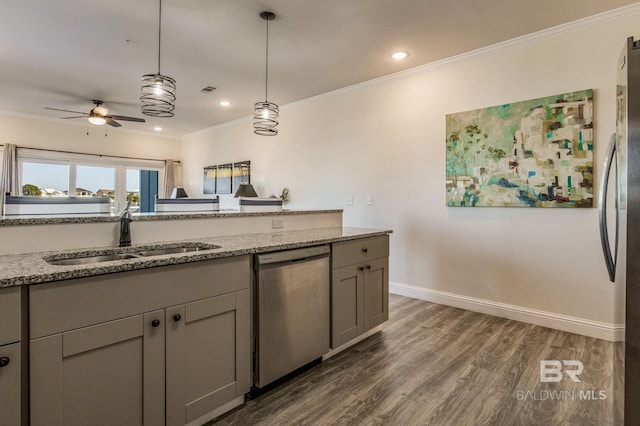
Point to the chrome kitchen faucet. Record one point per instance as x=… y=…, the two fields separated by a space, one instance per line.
x=125 y=226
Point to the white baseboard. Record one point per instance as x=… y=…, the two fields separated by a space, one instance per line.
x=600 y=330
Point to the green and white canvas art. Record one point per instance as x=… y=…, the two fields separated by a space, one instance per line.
x=535 y=153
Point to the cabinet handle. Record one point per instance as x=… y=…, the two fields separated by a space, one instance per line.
x=177 y=317
x=365 y=250
x=4 y=361
x=155 y=323
x=361 y=268
x=368 y=266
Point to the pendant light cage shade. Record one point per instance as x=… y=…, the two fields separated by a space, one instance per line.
x=265 y=118
x=265 y=114
x=158 y=95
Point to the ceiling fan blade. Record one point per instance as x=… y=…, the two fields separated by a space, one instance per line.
x=112 y=122
x=75 y=116
x=66 y=110
x=125 y=118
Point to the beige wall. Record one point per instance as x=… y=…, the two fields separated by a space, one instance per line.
x=386 y=138
x=26 y=131
x=35 y=238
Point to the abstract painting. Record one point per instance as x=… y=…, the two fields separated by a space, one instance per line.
x=536 y=153
x=223 y=181
x=241 y=174
x=226 y=178
x=209 y=182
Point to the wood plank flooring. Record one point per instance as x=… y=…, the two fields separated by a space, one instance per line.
x=437 y=365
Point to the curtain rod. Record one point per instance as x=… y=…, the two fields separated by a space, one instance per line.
x=97 y=155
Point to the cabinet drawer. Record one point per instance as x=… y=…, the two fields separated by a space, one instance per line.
x=10 y=315
x=356 y=251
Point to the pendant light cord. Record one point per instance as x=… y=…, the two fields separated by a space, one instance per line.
x=159 y=33
x=266 y=67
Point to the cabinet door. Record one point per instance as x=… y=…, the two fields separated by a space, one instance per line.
x=208 y=355
x=10 y=384
x=110 y=373
x=376 y=292
x=10 y=314
x=347 y=320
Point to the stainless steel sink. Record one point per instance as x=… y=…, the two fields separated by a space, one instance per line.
x=149 y=251
x=171 y=250
x=92 y=259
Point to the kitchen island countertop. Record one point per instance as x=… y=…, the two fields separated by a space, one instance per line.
x=31 y=268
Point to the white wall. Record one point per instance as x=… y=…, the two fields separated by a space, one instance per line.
x=31 y=132
x=65 y=236
x=386 y=138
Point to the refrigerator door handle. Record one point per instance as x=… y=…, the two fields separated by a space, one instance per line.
x=609 y=257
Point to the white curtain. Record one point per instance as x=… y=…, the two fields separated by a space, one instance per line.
x=169 y=177
x=9 y=176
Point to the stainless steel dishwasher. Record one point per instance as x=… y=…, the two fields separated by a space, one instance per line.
x=292 y=311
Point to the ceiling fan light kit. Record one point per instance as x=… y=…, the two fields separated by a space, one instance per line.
x=99 y=115
x=265 y=114
x=158 y=91
x=97 y=120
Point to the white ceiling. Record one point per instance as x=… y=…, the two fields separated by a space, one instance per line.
x=64 y=53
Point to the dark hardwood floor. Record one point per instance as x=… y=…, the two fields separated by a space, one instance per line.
x=436 y=365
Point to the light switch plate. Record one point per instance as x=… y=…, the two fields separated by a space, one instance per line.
x=370 y=199
x=348 y=200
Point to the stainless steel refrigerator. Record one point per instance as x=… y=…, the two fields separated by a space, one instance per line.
x=620 y=230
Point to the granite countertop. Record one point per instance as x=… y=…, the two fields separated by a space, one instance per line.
x=31 y=268
x=152 y=216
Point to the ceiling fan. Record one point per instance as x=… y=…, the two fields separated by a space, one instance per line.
x=99 y=115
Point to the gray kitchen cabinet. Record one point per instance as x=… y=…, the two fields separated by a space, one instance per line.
x=10 y=357
x=347 y=304
x=207 y=341
x=359 y=287
x=110 y=373
x=10 y=384
x=159 y=346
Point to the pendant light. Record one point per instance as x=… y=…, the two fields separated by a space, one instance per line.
x=158 y=91
x=265 y=114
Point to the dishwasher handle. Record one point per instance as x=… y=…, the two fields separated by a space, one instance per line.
x=287 y=256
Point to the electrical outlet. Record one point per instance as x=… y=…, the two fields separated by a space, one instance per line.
x=348 y=200
x=370 y=199
x=277 y=223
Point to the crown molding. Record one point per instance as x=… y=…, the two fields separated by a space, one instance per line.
x=566 y=28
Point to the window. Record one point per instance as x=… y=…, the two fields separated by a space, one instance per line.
x=45 y=179
x=51 y=174
x=133 y=188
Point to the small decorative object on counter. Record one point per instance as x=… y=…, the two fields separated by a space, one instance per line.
x=284 y=196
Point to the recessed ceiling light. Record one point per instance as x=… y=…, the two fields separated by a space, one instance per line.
x=399 y=55
x=225 y=103
x=157 y=129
